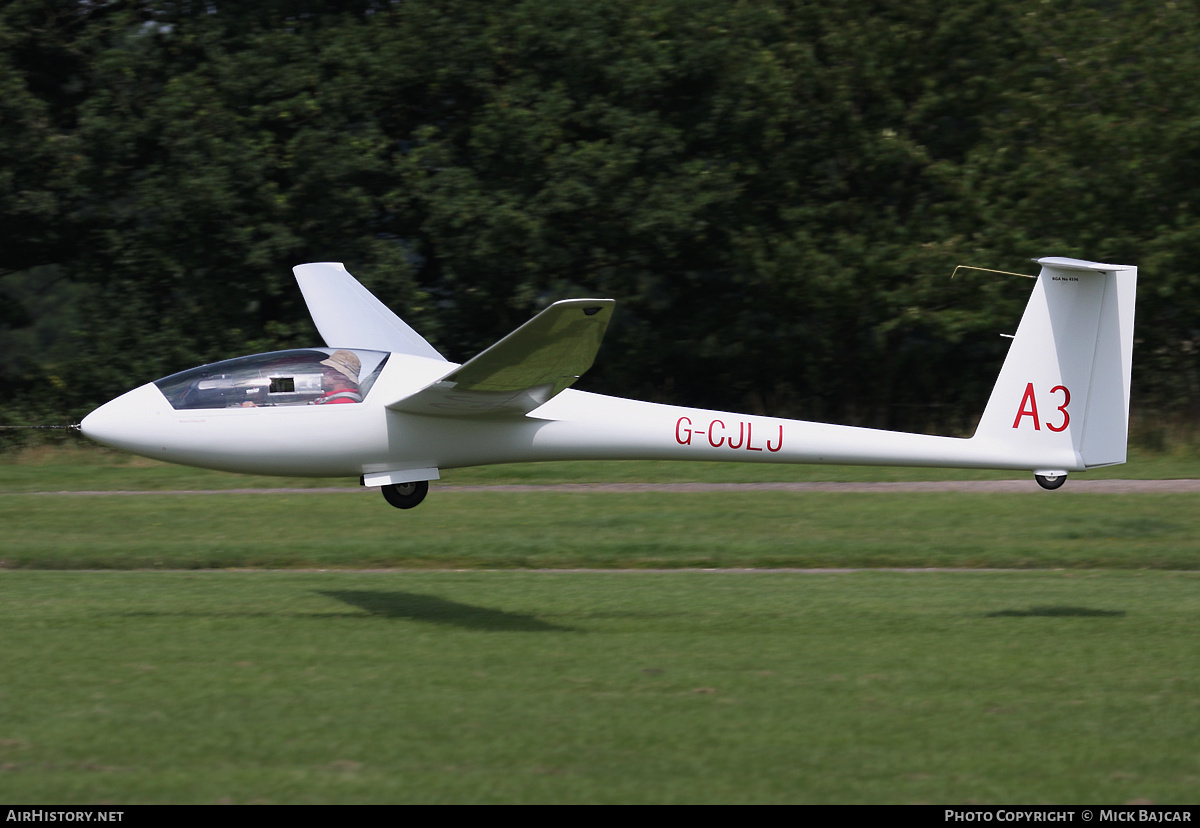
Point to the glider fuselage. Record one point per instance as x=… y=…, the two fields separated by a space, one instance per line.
x=368 y=438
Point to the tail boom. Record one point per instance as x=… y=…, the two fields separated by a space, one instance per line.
x=577 y=425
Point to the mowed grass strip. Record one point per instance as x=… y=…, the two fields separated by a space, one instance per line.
x=599 y=687
x=84 y=468
x=497 y=530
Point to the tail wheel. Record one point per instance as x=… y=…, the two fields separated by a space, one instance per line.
x=406 y=495
x=1050 y=481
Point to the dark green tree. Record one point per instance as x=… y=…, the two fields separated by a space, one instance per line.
x=775 y=191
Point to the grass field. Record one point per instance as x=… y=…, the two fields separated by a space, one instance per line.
x=1076 y=681
x=504 y=530
x=600 y=687
x=94 y=469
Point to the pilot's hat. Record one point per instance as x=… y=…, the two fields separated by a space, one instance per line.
x=345 y=363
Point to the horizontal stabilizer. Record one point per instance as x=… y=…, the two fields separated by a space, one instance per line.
x=348 y=316
x=524 y=369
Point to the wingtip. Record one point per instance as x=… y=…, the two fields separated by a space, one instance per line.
x=313 y=266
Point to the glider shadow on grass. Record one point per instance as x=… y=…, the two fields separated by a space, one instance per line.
x=416 y=607
x=1057 y=612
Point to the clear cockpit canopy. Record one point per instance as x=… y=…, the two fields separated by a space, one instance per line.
x=299 y=377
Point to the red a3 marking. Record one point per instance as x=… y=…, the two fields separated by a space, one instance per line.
x=1029 y=409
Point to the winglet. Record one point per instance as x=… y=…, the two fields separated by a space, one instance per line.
x=348 y=316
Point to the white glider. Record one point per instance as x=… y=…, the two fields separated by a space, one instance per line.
x=1060 y=404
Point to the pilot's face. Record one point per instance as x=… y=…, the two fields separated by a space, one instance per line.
x=332 y=378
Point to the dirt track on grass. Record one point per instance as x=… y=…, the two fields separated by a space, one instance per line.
x=980 y=486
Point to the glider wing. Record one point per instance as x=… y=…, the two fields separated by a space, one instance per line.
x=348 y=316
x=524 y=369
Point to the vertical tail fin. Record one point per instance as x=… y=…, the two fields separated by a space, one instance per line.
x=1064 y=389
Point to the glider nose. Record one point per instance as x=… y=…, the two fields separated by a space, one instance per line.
x=128 y=422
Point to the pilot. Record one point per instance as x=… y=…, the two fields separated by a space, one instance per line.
x=340 y=379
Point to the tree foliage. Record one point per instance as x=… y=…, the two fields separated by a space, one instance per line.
x=775 y=191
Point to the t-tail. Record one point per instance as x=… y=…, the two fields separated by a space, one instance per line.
x=1063 y=393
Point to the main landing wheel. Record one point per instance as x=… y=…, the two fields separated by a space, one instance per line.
x=1050 y=481
x=406 y=495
